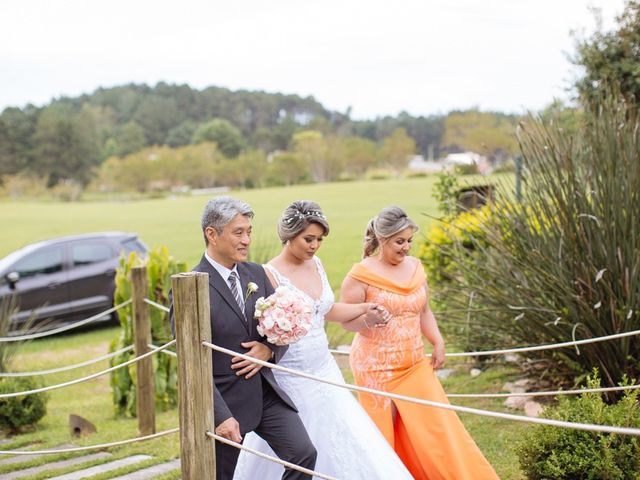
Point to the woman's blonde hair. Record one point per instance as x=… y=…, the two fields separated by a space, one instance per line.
x=386 y=224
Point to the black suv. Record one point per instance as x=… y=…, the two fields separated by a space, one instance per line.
x=65 y=279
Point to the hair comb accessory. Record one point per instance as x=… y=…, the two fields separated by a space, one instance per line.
x=298 y=215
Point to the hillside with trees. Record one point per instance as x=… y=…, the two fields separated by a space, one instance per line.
x=144 y=138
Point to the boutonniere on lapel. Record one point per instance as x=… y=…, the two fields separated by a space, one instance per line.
x=251 y=288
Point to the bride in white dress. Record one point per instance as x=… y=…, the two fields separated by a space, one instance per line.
x=349 y=444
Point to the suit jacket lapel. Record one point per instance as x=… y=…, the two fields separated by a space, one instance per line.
x=222 y=287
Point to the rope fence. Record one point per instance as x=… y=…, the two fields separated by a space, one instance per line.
x=284 y=463
x=88 y=377
x=90 y=447
x=429 y=403
x=168 y=352
x=143 y=344
x=68 y=367
x=535 y=348
x=543 y=394
x=46 y=333
x=155 y=304
x=548 y=393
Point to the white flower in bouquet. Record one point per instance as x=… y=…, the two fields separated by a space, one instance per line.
x=284 y=317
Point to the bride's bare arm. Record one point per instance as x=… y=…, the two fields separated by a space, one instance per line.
x=352 y=312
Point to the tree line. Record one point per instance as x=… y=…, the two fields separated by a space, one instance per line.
x=78 y=139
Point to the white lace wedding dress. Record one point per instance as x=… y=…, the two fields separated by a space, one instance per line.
x=349 y=444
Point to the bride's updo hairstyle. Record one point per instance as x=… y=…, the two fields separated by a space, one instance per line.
x=298 y=216
x=390 y=221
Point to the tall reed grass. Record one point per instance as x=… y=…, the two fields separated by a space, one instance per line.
x=564 y=262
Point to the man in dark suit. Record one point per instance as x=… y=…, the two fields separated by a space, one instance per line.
x=246 y=396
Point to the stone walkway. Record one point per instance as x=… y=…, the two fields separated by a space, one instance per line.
x=146 y=473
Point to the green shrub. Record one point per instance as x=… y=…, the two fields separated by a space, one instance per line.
x=445 y=192
x=562 y=263
x=471 y=169
x=160 y=267
x=464 y=230
x=547 y=452
x=508 y=166
x=415 y=174
x=346 y=177
x=19 y=413
x=379 y=174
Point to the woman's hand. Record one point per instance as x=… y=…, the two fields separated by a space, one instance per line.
x=376 y=316
x=437 y=356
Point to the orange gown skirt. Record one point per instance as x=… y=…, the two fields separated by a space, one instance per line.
x=432 y=442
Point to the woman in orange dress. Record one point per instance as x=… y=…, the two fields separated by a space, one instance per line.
x=432 y=442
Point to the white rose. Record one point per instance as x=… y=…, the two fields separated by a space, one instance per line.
x=284 y=324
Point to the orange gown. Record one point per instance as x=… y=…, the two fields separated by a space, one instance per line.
x=432 y=442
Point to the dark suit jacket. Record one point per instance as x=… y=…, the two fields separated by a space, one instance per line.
x=236 y=396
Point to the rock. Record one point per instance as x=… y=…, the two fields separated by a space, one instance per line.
x=508 y=386
x=444 y=373
x=474 y=372
x=532 y=409
x=512 y=358
x=516 y=402
x=523 y=382
x=79 y=427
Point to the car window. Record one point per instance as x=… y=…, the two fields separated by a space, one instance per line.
x=41 y=262
x=133 y=245
x=91 y=252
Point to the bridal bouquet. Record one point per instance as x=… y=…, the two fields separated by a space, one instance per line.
x=284 y=317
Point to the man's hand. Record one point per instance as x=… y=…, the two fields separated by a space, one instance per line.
x=229 y=429
x=245 y=367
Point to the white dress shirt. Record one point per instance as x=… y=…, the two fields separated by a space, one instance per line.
x=225 y=272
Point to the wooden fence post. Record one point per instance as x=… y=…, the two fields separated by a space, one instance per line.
x=145 y=385
x=195 y=374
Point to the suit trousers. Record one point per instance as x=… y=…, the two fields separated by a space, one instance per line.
x=283 y=430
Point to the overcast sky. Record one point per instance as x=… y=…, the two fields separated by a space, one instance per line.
x=377 y=57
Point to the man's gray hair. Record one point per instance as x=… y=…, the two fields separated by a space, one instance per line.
x=219 y=211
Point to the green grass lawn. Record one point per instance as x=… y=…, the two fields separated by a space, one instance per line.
x=175 y=223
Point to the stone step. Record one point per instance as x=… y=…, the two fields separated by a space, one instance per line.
x=105 y=467
x=53 y=465
x=151 y=472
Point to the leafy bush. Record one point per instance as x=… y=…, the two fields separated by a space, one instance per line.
x=415 y=174
x=508 y=166
x=23 y=186
x=445 y=191
x=547 y=452
x=465 y=230
x=160 y=267
x=563 y=263
x=346 y=177
x=19 y=413
x=379 y=174
x=471 y=169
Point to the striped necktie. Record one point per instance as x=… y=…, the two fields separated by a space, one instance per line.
x=234 y=284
